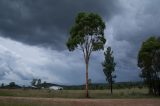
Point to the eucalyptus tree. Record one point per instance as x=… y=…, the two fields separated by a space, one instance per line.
x=149 y=62
x=87 y=34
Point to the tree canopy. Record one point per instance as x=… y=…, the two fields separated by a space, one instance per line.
x=87 y=33
x=109 y=66
x=149 y=62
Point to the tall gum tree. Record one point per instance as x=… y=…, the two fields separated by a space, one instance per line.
x=87 y=34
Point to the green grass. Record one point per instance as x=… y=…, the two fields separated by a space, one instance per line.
x=10 y=102
x=101 y=94
x=117 y=93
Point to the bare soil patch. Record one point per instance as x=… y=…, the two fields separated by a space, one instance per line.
x=84 y=102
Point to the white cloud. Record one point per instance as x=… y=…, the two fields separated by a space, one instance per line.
x=21 y=63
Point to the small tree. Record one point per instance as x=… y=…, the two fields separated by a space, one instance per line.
x=33 y=83
x=2 y=85
x=12 y=84
x=87 y=34
x=109 y=66
x=39 y=83
x=36 y=83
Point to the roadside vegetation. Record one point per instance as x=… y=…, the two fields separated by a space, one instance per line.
x=46 y=93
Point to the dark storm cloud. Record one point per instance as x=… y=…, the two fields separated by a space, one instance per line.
x=138 y=21
x=47 y=22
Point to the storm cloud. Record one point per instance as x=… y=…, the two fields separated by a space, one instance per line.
x=46 y=22
x=33 y=35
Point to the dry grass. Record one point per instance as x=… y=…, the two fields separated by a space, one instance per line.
x=120 y=93
x=30 y=97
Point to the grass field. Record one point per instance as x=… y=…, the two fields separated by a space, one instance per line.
x=31 y=97
x=118 y=93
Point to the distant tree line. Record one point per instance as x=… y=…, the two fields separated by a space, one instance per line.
x=35 y=84
x=11 y=85
x=103 y=86
x=92 y=86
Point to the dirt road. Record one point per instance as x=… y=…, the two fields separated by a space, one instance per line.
x=87 y=102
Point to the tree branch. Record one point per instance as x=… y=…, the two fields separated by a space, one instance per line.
x=84 y=54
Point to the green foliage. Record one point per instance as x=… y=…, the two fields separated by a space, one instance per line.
x=87 y=33
x=149 y=62
x=109 y=66
x=33 y=83
x=12 y=84
x=39 y=83
x=36 y=83
x=148 y=49
x=2 y=85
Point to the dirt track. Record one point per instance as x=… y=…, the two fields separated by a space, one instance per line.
x=90 y=102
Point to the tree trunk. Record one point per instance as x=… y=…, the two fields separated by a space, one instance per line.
x=150 y=88
x=87 y=80
x=111 y=86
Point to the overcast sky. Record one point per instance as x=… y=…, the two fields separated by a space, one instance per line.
x=33 y=34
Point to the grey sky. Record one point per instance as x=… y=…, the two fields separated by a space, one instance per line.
x=33 y=35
